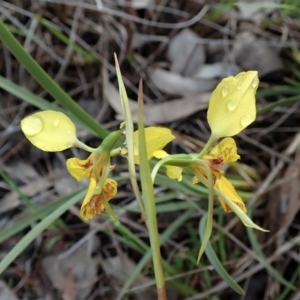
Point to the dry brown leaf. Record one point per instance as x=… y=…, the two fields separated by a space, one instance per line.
x=120 y=267
x=5 y=292
x=186 y=53
x=256 y=10
x=12 y=200
x=77 y=269
x=158 y=113
x=138 y=4
x=290 y=195
x=175 y=84
x=217 y=70
x=248 y=52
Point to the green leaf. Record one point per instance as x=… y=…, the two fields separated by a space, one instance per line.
x=273 y=272
x=37 y=230
x=211 y=255
x=47 y=82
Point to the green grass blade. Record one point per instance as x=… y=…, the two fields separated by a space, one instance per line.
x=47 y=82
x=282 y=102
x=147 y=256
x=38 y=229
x=86 y=55
x=38 y=101
x=38 y=214
x=211 y=255
x=273 y=272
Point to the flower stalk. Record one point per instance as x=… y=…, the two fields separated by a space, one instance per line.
x=149 y=203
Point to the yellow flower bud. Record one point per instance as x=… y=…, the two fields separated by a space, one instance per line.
x=232 y=104
x=49 y=130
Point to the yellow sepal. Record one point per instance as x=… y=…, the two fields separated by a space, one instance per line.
x=49 y=130
x=80 y=168
x=232 y=104
x=156 y=139
x=225 y=186
x=172 y=172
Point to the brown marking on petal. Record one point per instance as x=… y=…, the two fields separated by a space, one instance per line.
x=110 y=189
x=93 y=207
x=87 y=165
x=217 y=161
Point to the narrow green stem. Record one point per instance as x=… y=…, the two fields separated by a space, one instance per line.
x=207 y=146
x=150 y=204
x=129 y=130
x=83 y=146
x=210 y=185
x=180 y=160
x=115 y=152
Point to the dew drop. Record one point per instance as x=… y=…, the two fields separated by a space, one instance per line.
x=246 y=120
x=56 y=122
x=255 y=82
x=239 y=86
x=54 y=148
x=32 y=125
x=232 y=105
x=225 y=91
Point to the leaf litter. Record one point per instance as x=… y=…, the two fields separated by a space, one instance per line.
x=180 y=67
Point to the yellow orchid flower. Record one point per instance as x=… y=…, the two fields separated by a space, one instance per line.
x=232 y=104
x=92 y=169
x=53 y=131
x=224 y=152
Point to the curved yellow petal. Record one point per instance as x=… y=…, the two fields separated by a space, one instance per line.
x=225 y=186
x=89 y=208
x=78 y=168
x=224 y=152
x=160 y=154
x=49 y=130
x=232 y=104
x=93 y=204
x=174 y=172
x=156 y=139
x=110 y=188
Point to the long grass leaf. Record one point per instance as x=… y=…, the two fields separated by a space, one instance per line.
x=47 y=82
x=37 y=230
x=211 y=255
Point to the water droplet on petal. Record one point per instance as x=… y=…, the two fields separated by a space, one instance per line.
x=32 y=125
x=255 y=82
x=56 y=122
x=246 y=120
x=239 y=86
x=232 y=105
x=54 y=148
x=225 y=91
